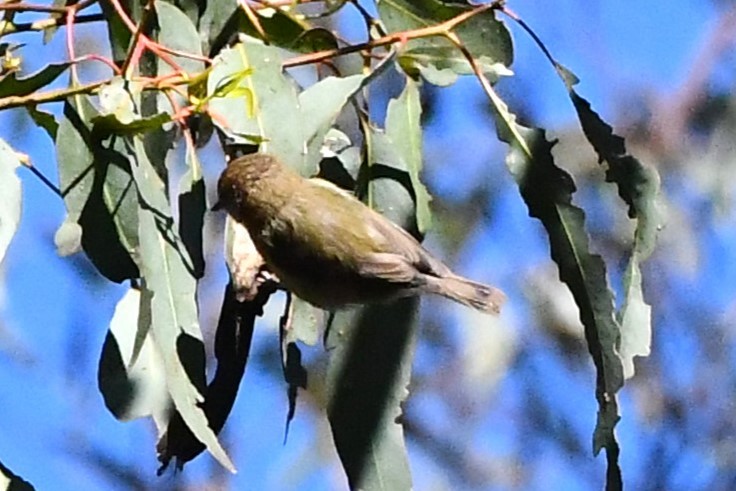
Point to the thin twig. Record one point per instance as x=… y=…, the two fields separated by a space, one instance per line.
x=50 y=96
x=43 y=179
x=43 y=24
x=397 y=37
x=27 y=7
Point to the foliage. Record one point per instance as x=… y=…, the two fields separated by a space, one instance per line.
x=114 y=141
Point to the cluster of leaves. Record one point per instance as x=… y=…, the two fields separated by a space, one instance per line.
x=222 y=67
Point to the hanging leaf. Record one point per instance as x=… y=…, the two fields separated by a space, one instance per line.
x=192 y=208
x=638 y=186
x=132 y=382
x=99 y=195
x=403 y=127
x=547 y=191
x=10 y=196
x=371 y=350
x=178 y=32
x=44 y=119
x=232 y=346
x=169 y=274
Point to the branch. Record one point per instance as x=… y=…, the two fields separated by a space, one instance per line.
x=42 y=25
x=443 y=29
x=50 y=96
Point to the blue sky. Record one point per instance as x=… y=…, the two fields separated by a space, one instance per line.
x=56 y=319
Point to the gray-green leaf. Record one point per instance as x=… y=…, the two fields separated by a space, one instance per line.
x=168 y=271
x=485 y=37
x=10 y=196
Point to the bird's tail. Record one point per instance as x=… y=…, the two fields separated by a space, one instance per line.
x=477 y=295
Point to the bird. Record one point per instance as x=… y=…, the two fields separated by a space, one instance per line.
x=329 y=248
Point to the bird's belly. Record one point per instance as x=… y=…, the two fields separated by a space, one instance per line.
x=329 y=285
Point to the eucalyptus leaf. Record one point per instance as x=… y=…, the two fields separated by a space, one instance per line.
x=638 y=186
x=485 y=37
x=133 y=385
x=283 y=29
x=99 y=195
x=232 y=346
x=310 y=114
x=192 y=208
x=371 y=351
x=11 y=85
x=547 y=191
x=177 y=31
x=275 y=99
x=44 y=119
x=10 y=196
x=168 y=271
x=403 y=127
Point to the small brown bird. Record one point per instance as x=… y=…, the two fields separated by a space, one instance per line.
x=330 y=249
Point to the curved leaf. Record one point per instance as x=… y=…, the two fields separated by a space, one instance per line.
x=11 y=85
x=232 y=346
x=99 y=195
x=371 y=351
x=178 y=32
x=547 y=191
x=638 y=186
x=168 y=271
x=132 y=381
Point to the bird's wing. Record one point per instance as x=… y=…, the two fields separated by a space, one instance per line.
x=396 y=248
x=400 y=242
x=386 y=266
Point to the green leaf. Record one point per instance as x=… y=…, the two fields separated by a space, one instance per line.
x=192 y=208
x=118 y=33
x=310 y=114
x=132 y=380
x=305 y=322
x=547 y=191
x=403 y=127
x=99 y=195
x=320 y=104
x=169 y=274
x=44 y=119
x=485 y=37
x=638 y=186
x=49 y=32
x=10 y=196
x=371 y=351
x=282 y=28
x=232 y=346
x=212 y=25
x=109 y=124
x=177 y=31
x=11 y=85
x=193 y=9
x=275 y=99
